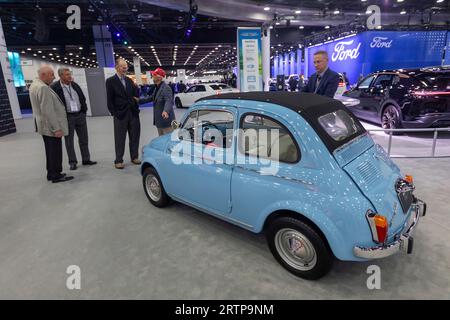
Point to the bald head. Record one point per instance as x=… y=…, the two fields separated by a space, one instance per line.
x=46 y=74
x=121 y=67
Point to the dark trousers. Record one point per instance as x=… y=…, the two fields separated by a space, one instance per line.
x=132 y=125
x=77 y=123
x=53 y=154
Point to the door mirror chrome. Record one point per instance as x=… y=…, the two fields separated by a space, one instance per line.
x=175 y=125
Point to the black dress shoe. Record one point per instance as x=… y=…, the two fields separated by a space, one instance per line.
x=61 y=176
x=73 y=166
x=89 y=163
x=62 y=179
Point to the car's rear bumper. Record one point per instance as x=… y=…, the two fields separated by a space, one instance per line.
x=404 y=243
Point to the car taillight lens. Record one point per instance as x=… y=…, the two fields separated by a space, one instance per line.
x=341 y=84
x=429 y=93
x=381 y=225
x=409 y=179
x=378 y=226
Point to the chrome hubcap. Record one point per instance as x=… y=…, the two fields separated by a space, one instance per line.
x=153 y=187
x=295 y=249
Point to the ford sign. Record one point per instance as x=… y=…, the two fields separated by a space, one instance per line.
x=341 y=53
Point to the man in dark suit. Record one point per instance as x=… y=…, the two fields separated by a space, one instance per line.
x=123 y=96
x=162 y=98
x=74 y=101
x=325 y=81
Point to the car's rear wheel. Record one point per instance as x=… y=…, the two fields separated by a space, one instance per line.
x=299 y=248
x=390 y=119
x=178 y=103
x=154 y=189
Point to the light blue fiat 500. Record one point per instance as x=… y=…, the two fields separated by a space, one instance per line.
x=298 y=167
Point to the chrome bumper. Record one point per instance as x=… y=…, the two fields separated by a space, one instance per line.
x=404 y=243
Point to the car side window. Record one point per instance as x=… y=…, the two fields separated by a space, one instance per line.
x=191 y=89
x=215 y=128
x=383 y=81
x=365 y=83
x=262 y=136
x=200 y=89
x=188 y=126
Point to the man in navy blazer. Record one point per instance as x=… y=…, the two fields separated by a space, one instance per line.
x=325 y=81
x=123 y=97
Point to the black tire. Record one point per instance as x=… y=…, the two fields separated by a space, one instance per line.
x=313 y=268
x=178 y=103
x=160 y=200
x=390 y=119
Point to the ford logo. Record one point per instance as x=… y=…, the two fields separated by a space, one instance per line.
x=341 y=53
x=380 y=42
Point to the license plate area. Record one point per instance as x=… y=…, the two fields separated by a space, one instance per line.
x=406 y=199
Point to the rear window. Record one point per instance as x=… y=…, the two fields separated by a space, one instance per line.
x=215 y=87
x=339 y=125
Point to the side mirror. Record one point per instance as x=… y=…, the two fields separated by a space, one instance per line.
x=175 y=125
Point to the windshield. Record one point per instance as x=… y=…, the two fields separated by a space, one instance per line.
x=339 y=125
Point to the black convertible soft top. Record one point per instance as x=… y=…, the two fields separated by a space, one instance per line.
x=310 y=106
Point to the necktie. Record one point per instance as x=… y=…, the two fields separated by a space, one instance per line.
x=319 y=77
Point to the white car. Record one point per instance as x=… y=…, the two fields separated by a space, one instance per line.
x=188 y=98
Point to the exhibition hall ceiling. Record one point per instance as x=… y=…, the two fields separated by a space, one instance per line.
x=197 y=33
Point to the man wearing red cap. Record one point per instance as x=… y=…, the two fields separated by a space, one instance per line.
x=162 y=98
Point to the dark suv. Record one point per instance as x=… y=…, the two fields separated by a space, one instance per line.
x=412 y=98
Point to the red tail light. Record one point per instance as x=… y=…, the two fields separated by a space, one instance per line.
x=382 y=228
x=378 y=226
x=341 y=84
x=430 y=93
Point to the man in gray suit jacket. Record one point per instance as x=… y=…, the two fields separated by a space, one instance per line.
x=162 y=98
x=51 y=121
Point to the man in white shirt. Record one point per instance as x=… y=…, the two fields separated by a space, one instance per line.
x=75 y=103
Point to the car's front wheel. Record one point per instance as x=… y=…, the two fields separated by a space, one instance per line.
x=299 y=248
x=390 y=119
x=154 y=189
x=178 y=103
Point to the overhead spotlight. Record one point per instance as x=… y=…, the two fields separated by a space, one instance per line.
x=336 y=11
x=327 y=27
x=266 y=8
x=298 y=11
x=301 y=27
x=403 y=11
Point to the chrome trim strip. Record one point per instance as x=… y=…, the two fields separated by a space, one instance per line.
x=221 y=217
x=276 y=176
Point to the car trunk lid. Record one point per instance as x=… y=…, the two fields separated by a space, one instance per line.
x=376 y=175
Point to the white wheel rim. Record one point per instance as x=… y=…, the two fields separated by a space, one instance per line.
x=153 y=187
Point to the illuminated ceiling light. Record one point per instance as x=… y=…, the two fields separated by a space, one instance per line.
x=403 y=11
x=301 y=27
x=28 y=49
x=54 y=49
x=327 y=27
x=400 y=0
x=439 y=1
x=266 y=8
x=39 y=51
x=336 y=11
